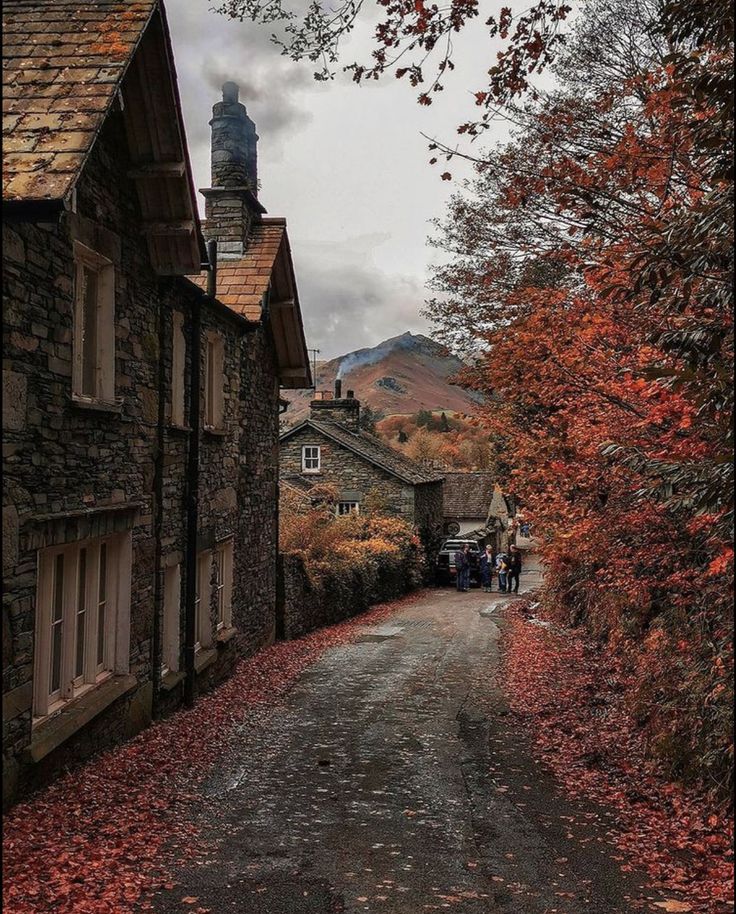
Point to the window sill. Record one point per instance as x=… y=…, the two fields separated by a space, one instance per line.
x=171 y=680
x=113 y=407
x=204 y=657
x=226 y=634
x=179 y=429
x=50 y=733
x=312 y=472
x=215 y=432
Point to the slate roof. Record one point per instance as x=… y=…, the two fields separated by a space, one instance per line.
x=241 y=283
x=371 y=449
x=468 y=494
x=63 y=61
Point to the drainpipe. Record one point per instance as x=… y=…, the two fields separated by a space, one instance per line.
x=158 y=491
x=190 y=614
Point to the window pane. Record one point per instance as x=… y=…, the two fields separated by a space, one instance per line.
x=220 y=583
x=172 y=611
x=89 y=299
x=81 y=613
x=56 y=658
x=102 y=606
x=57 y=625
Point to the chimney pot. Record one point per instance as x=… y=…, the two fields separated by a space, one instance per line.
x=230 y=93
x=351 y=395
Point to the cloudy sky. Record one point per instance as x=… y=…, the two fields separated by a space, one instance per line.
x=345 y=164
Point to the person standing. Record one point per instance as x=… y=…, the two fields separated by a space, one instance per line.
x=486 y=568
x=514 y=569
x=462 y=566
x=502 y=568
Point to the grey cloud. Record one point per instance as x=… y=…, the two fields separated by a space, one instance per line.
x=273 y=87
x=335 y=159
x=274 y=95
x=348 y=303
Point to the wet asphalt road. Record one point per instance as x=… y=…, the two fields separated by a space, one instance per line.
x=391 y=780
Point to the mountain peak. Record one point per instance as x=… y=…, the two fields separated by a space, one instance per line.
x=400 y=375
x=370 y=355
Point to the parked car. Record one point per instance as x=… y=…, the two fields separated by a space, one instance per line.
x=446 y=572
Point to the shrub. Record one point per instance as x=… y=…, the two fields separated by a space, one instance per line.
x=357 y=559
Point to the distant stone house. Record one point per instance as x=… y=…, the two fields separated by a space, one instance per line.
x=331 y=448
x=135 y=569
x=467 y=499
x=475 y=505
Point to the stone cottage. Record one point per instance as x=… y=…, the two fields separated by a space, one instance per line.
x=331 y=448
x=140 y=411
x=467 y=500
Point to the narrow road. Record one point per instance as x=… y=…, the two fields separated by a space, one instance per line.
x=391 y=780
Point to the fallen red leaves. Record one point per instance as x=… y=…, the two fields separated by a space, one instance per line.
x=572 y=698
x=99 y=839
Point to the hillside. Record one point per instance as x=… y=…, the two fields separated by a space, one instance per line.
x=399 y=376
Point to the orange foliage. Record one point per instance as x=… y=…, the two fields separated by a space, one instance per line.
x=463 y=444
x=595 y=281
x=331 y=545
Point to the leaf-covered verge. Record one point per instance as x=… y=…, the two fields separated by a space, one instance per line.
x=574 y=699
x=103 y=838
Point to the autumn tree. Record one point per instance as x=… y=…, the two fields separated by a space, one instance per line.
x=591 y=262
x=423 y=446
x=368 y=419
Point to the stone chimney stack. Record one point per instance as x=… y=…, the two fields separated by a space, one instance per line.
x=234 y=153
x=329 y=407
x=232 y=201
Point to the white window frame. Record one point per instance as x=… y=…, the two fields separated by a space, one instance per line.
x=171 y=627
x=223 y=560
x=311 y=462
x=203 y=600
x=351 y=507
x=103 y=369
x=112 y=592
x=214 y=380
x=178 y=368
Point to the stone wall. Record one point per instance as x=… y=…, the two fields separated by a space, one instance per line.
x=258 y=522
x=58 y=456
x=61 y=458
x=305 y=606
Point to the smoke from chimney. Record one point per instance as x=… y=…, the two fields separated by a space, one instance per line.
x=363 y=357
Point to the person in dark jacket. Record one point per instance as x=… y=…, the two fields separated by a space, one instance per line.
x=514 y=569
x=462 y=566
x=486 y=569
x=502 y=568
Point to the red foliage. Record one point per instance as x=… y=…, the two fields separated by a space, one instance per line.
x=572 y=696
x=98 y=840
x=590 y=275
